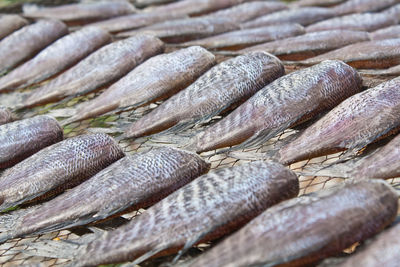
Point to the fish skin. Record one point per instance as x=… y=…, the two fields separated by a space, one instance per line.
x=224 y=85
x=58 y=56
x=10 y=23
x=377 y=54
x=390 y=32
x=357 y=22
x=211 y=206
x=242 y=38
x=306 y=229
x=303 y=16
x=310 y=44
x=6 y=115
x=361 y=6
x=321 y=3
x=64 y=164
x=21 y=139
x=355 y=123
x=27 y=41
x=156 y=79
x=104 y=66
x=291 y=99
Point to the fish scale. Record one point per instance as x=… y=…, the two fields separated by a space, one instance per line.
x=10 y=23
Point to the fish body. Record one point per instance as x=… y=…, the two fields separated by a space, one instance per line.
x=310 y=44
x=21 y=139
x=303 y=16
x=355 y=123
x=10 y=23
x=59 y=166
x=242 y=38
x=291 y=99
x=6 y=115
x=361 y=6
x=224 y=85
x=306 y=229
x=58 y=56
x=391 y=32
x=27 y=41
x=156 y=79
x=100 y=68
x=321 y=3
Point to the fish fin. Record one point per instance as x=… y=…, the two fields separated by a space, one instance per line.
x=335 y=169
x=5 y=236
x=8 y=221
x=63 y=249
x=148 y=255
x=228 y=53
x=189 y=243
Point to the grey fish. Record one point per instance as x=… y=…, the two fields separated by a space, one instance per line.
x=226 y=84
x=321 y=3
x=156 y=79
x=360 y=6
x=80 y=13
x=26 y=42
x=303 y=16
x=242 y=38
x=386 y=33
x=58 y=56
x=100 y=68
x=211 y=206
x=6 y=115
x=57 y=167
x=309 y=228
x=137 y=181
x=21 y=139
x=355 y=123
x=287 y=101
x=181 y=30
x=310 y=44
x=10 y=23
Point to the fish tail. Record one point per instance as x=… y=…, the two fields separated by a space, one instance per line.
x=54 y=249
x=5 y=236
x=8 y=221
x=331 y=170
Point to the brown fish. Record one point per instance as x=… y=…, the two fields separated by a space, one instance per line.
x=100 y=68
x=26 y=42
x=285 y=102
x=377 y=54
x=80 y=13
x=10 y=23
x=306 y=229
x=58 y=56
x=360 y=6
x=355 y=123
x=137 y=181
x=226 y=84
x=386 y=33
x=6 y=115
x=321 y=3
x=20 y=139
x=310 y=44
x=156 y=79
x=211 y=206
x=57 y=167
x=242 y=38
x=303 y=16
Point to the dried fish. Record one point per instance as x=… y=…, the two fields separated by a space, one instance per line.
x=10 y=23
x=60 y=55
x=242 y=38
x=360 y=6
x=6 y=115
x=26 y=42
x=100 y=68
x=285 y=102
x=156 y=79
x=226 y=84
x=393 y=71
x=309 y=228
x=355 y=123
x=57 y=167
x=386 y=33
x=303 y=16
x=310 y=44
x=20 y=139
x=322 y=3
x=137 y=181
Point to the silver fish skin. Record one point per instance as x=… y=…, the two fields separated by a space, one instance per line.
x=138 y=180
x=212 y=205
x=10 y=23
x=391 y=32
x=242 y=38
x=27 y=41
x=306 y=229
x=361 y=6
x=355 y=123
x=80 y=13
x=310 y=44
x=303 y=16
x=6 y=115
x=57 y=167
x=356 y=22
x=156 y=79
x=100 y=68
x=321 y=3
x=57 y=57
x=224 y=85
x=289 y=100
x=21 y=139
